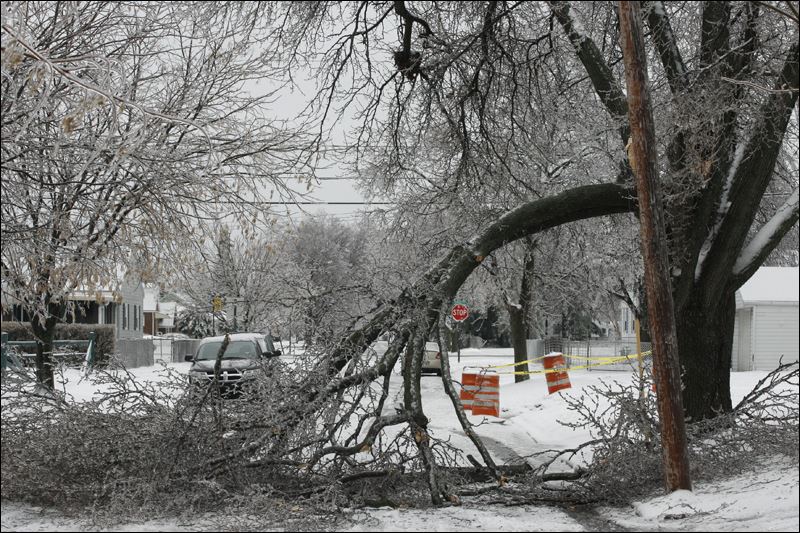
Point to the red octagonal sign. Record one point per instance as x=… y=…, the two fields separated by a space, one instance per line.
x=460 y=312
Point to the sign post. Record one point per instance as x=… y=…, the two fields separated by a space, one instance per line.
x=216 y=306
x=458 y=341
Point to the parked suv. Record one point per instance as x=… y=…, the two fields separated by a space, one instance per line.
x=240 y=363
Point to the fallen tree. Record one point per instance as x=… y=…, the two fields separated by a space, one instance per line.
x=412 y=318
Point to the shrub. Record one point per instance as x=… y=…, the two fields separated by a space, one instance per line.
x=625 y=454
x=22 y=331
x=140 y=450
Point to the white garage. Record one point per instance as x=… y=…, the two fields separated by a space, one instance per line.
x=767 y=319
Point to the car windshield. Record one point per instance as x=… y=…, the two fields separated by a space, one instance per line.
x=235 y=350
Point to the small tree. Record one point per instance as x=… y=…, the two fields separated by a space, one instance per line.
x=244 y=271
x=199 y=322
x=331 y=277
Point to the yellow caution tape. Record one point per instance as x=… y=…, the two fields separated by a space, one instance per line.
x=550 y=370
x=597 y=361
x=516 y=364
x=609 y=357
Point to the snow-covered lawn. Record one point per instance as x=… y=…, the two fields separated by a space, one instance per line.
x=760 y=501
x=764 y=499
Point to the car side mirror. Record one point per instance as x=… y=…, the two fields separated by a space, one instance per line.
x=188 y=358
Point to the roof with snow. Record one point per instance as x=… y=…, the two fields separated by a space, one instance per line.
x=772 y=284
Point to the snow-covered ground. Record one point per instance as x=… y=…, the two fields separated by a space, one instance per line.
x=764 y=499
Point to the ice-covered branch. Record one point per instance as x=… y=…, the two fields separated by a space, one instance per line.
x=117 y=100
x=667 y=47
x=751 y=176
x=605 y=84
x=767 y=238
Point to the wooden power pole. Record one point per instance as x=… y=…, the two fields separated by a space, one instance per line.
x=644 y=162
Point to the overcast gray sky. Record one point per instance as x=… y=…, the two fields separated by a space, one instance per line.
x=336 y=184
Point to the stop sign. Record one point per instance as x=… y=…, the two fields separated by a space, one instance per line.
x=460 y=312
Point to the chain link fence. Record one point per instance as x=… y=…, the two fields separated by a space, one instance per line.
x=586 y=353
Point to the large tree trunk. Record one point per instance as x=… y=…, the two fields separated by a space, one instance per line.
x=526 y=292
x=516 y=317
x=705 y=341
x=718 y=222
x=44 y=334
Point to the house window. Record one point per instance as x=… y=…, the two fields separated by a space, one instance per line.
x=124 y=316
x=135 y=318
x=109 y=311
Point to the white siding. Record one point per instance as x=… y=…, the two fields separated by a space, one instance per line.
x=742 y=340
x=776 y=335
x=132 y=295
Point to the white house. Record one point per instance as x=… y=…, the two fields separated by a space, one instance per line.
x=621 y=326
x=158 y=316
x=122 y=308
x=767 y=319
x=170 y=305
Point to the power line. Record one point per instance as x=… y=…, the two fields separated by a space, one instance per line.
x=325 y=203
x=305 y=202
x=298 y=176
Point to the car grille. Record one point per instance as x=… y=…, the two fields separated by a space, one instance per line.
x=225 y=376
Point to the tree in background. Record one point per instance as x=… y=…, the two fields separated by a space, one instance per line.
x=124 y=127
x=331 y=276
x=201 y=321
x=243 y=272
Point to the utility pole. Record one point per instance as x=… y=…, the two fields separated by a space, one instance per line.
x=644 y=162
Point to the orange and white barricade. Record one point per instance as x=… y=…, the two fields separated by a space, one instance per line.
x=480 y=393
x=556 y=372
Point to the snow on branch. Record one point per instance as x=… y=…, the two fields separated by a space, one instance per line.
x=667 y=46
x=108 y=95
x=722 y=210
x=768 y=236
x=605 y=84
